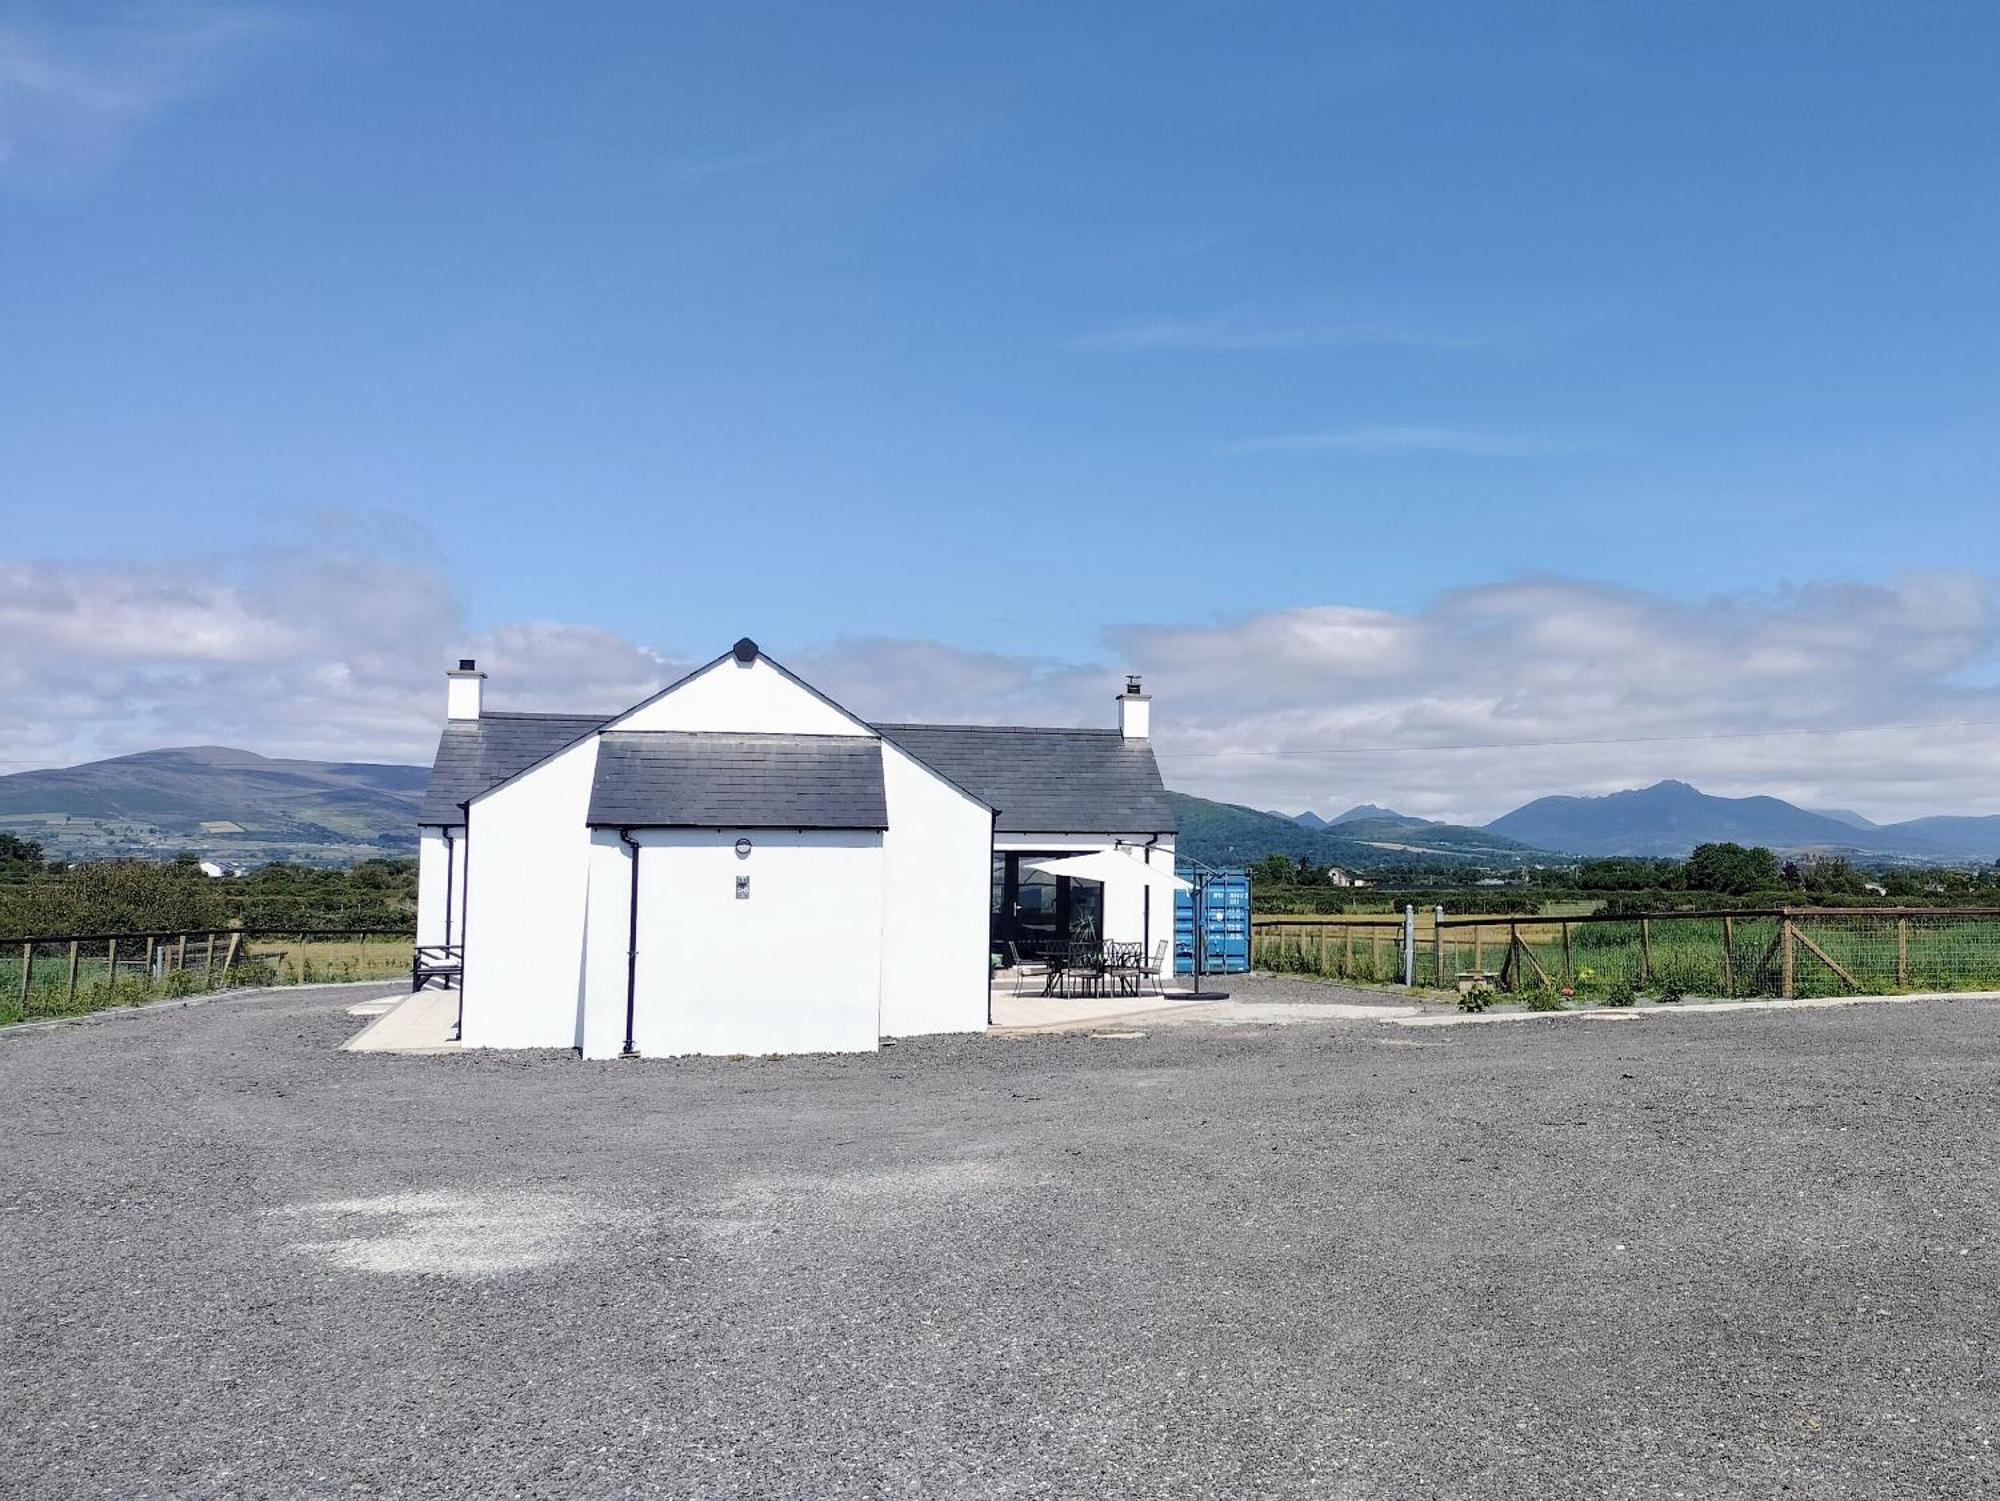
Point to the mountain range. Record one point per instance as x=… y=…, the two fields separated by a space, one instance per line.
x=237 y=805
x=1670 y=818
x=231 y=804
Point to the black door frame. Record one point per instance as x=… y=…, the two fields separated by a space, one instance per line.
x=1007 y=921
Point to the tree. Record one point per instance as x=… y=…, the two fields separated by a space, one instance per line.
x=1274 y=870
x=116 y=896
x=21 y=857
x=1730 y=868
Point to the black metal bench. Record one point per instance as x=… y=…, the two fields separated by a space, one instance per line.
x=440 y=962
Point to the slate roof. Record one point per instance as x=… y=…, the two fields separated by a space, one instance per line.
x=1047 y=781
x=474 y=754
x=680 y=779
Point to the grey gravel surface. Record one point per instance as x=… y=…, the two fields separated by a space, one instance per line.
x=1742 y=1256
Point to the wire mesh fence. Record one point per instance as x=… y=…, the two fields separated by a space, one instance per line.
x=1783 y=952
x=1370 y=952
x=47 y=977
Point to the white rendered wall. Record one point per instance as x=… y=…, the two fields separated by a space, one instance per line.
x=937 y=903
x=602 y=1032
x=792 y=968
x=430 y=885
x=438 y=871
x=527 y=884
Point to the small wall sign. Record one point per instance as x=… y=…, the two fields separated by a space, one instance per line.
x=742 y=888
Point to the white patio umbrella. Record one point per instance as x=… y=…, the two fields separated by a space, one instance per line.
x=1113 y=868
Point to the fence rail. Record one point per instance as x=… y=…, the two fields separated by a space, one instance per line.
x=68 y=974
x=1775 y=951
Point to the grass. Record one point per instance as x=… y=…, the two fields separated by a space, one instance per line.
x=276 y=961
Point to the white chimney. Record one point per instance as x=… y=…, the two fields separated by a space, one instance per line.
x=462 y=690
x=1135 y=711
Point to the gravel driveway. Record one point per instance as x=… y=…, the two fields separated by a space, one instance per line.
x=1739 y=1256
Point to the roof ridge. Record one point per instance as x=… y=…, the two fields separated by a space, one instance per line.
x=1023 y=729
x=532 y=714
x=752 y=734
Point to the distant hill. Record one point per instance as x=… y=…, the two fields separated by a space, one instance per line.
x=1227 y=834
x=1670 y=818
x=1373 y=813
x=1361 y=812
x=233 y=804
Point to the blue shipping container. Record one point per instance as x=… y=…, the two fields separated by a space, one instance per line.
x=1225 y=925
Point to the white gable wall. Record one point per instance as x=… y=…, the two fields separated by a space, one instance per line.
x=938 y=897
x=753 y=700
x=527 y=884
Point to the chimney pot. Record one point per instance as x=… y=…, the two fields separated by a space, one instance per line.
x=466 y=664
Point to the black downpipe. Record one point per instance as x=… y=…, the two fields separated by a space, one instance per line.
x=1006 y=914
x=631 y=951
x=448 y=842
x=465 y=885
x=1146 y=904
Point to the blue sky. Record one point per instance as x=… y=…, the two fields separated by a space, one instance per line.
x=1004 y=327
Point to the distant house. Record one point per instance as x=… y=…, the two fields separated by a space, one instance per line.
x=1335 y=876
x=740 y=865
x=216 y=869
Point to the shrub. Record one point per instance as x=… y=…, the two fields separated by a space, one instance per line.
x=1476 y=999
x=1621 y=992
x=1542 y=1000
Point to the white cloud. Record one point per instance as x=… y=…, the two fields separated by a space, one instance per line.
x=68 y=94
x=325 y=650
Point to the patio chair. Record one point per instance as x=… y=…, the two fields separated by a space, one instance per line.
x=1024 y=969
x=1076 y=968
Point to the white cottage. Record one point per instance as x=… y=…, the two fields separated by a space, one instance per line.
x=740 y=865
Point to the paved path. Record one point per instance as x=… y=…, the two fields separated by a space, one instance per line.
x=424 y=1022
x=1746 y=1255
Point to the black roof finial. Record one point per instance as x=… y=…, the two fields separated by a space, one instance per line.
x=745 y=651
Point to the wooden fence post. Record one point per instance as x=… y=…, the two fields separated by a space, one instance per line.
x=1348 y=971
x=1729 y=956
x=1790 y=958
x=72 y=974
x=27 y=968
x=208 y=962
x=1646 y=950
x=151 y=944
x=1479 y=951
x=229 y=957
x=1902 y=953
x=1437 y=947
x=111 y=969
x=1569 y=964
x=181 y=952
